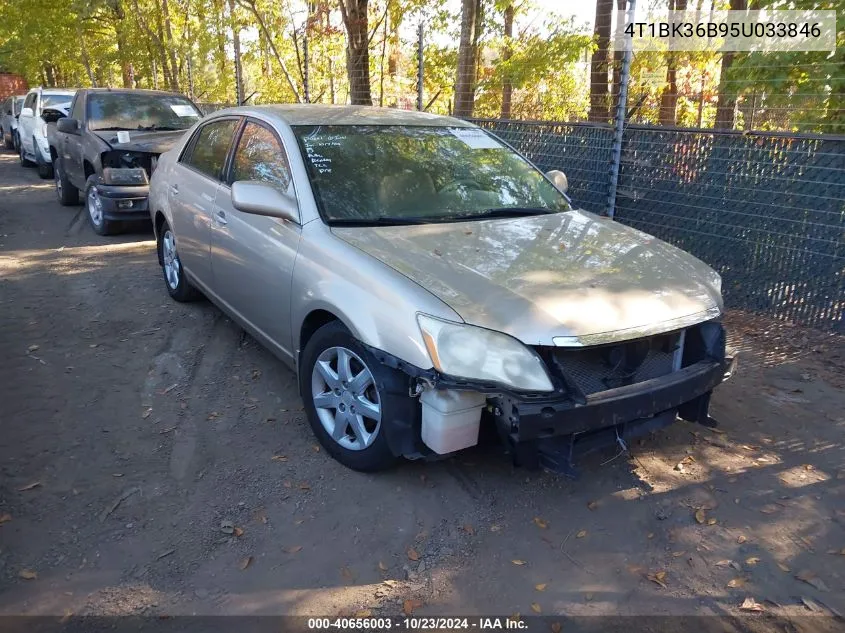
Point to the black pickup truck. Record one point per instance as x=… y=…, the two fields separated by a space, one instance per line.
x=108 y=147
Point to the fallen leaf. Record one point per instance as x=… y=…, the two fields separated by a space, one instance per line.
x=540 y=523
x=468 y=529
x=770 y=508
x=437 y=252
x=536 y=608
x=413 y=554
x=279 y=458
x=299 y=522
x=540 y=587
x=261 y=517
x=468 y=232
x=839 y=552
x=753 y=560
x=518 y=562
x=256 y=374
x=811 y=579
x=495 y=528
x=658 y=578
x=735 y=583
x=409 y=605
x=592 y=505
x=810 y=604
x=363 y=613
x=32 y=348
x=581 y=534
x=556 y=627
x=28 y=574
x=238 y=531
x=34 y=484
x=711 y=521
x=750 y=604
x=382 y=566
x=5 y=518
x=783 y=567
x=700 y=516
x=246 y=562
x=293 y=549
x=315 y=448
x=724 y=563
x=677 y=554
x=286 y=484
x=304 y=487
x=213 y=415
x=741 y=539
x=650 y=535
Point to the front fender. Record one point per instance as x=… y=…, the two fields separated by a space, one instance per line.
x=376 y=303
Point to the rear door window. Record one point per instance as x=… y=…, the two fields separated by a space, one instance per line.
x=210 y=146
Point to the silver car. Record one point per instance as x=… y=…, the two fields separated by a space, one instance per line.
x=427 y=282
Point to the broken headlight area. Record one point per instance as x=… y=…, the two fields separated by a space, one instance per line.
x=117 y=160
x=125 y=176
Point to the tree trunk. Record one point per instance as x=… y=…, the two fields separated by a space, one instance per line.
x=168 y=34
x=726 y=99
x=250 y=4
x=599 y=107
x=467 y=53
x=669 y=96
x=618 y=57
x=507 y=53
x=236 y=46
x=354 y=13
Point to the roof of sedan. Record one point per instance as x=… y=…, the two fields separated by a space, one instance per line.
x=314 y=114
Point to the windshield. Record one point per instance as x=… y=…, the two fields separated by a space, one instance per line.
x=48 y=100
x=382 y=174
x=140 y=111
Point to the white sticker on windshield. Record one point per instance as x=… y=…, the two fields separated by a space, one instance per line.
x=123 y=137
x=475 y=138
x=183 y=110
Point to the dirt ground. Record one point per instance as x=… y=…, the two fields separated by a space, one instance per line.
x=137 y=432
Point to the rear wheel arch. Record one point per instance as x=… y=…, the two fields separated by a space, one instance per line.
x=158 y=223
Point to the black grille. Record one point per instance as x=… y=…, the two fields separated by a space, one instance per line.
x=594 y=369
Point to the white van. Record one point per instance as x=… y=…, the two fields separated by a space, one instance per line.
x=32 y=129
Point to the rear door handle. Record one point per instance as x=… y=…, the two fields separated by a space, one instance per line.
x=221 y=218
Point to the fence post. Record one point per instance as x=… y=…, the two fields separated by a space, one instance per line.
x=619 y=118
x=305 y=77
x=420 y=63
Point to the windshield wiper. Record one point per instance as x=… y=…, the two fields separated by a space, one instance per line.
x=158 y=128
x=112 y=129
x=502 y=212
x=376 y=221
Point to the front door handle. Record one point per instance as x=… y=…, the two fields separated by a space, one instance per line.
x=174 y=189
x=221 y=218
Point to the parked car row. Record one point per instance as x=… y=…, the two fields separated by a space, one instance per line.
x=420 y=276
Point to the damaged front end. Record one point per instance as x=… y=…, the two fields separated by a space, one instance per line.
x=124 y=185
x=604 y=395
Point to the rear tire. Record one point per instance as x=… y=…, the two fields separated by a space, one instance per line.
x=94 y=208
x=25 y=162
x=175 y=280
x=67 y=194
x=352 y=436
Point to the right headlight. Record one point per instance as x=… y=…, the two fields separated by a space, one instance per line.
x=474 y=353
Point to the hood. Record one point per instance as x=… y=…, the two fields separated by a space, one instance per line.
x=541 y=277
x=140 y=141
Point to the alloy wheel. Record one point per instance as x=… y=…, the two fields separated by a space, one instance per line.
x=95 y=206
x=346 y=398
x=172 y=266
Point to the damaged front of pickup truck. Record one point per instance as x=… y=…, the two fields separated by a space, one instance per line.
x=108 y=147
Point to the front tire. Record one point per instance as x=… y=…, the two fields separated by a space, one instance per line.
x=67 y=194
x=96 y=211
x=343 y=389
x=45 y=170
x=8 y=140
x=175 y=280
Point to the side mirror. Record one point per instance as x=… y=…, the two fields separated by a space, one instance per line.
x=68 y=125
x=27 y=112
x=51 y=115
x=258 y=198
x=558 y=179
